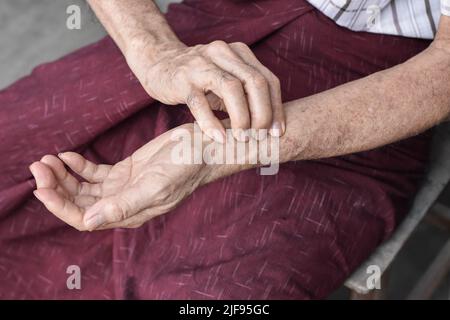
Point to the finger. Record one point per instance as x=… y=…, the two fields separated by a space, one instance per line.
x=230 y=90
x=215 y=102
x=115 y=208
x=278 y=117
x=85 y=168
x=255 y=84
x=61 y=207
x=132 y=222
x=45 y=178
x=68 y=182
x=65 y=179
x=207 y=121
x=43 y=175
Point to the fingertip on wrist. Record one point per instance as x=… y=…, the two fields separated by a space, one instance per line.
x=278 y=129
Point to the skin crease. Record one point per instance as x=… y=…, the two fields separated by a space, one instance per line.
x=215 y=76
x=364 y=114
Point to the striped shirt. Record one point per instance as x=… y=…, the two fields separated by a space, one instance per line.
x=408 y=18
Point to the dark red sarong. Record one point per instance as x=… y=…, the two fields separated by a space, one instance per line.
x=298 y=234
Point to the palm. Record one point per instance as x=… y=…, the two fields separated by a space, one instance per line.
x=129 y=193
x=117 y=179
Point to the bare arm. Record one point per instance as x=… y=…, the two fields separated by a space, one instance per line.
x=134 y=24
x=374 y=111
x=215 y=76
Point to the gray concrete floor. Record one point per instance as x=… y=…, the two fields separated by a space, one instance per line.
x=34 y=31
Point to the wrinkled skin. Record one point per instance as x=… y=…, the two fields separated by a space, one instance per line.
x=214 y=76
x=128 y=194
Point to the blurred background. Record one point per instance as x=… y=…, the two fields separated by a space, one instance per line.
x=34 y=31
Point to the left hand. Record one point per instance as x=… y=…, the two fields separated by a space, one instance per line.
x=126 y=195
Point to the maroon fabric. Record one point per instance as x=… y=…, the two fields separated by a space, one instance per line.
x=294 y=235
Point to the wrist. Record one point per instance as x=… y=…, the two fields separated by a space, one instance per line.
x=225 y=159
x=147 y=48
x=219 y=160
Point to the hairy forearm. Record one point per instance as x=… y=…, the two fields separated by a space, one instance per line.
x=374 y=111
x=364 y=114
x=136 y=26
x=382 y=108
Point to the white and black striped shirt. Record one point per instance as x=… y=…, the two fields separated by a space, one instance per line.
x=409 y=18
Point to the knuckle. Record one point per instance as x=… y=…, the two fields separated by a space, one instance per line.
x=197 y=60
x=230 y=83
x=198 y=47
x=275 y=82
x=115 y=212
x=179 y=74
x=239 y=46
x=217 y=45
x=258 y=81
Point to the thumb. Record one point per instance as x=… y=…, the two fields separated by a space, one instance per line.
x=113 y=209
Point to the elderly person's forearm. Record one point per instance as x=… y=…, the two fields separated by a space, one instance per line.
x=134 y=24
x=364 y=114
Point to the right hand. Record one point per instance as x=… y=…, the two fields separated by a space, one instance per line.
x=215 y=76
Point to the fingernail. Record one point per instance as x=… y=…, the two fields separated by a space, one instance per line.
x=276 y=129
x=95 y=221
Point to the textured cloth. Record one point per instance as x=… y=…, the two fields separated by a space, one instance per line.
x=294 y=235
x=408 y=18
